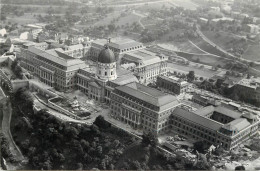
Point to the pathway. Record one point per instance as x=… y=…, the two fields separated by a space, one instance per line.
x=213 y=44
x=7 y=116
x=140 y=15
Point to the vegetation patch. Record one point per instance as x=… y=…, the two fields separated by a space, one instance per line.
x=252 y=53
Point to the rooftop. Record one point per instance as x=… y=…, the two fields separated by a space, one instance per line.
x=124 y=77
x=75 y=47
x=205 y=111
x=237 y=124
x=174 y=79
x=220 y=109
x=198 y=119
x=222 y=19
x=250 y=83
x=56 y=56
x=148 y=94
x=123 y=43
x=142 y=56
x=100 y=42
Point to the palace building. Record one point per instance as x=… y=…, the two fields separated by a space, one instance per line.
x=130 y=100
x=56 y=68
x=216 y=125
x=147 y=65
x=53 y=67
x=143 y=107
x=118 y=45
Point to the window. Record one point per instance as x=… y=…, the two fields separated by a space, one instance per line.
x=111 y=72
x=99 y=72
x=105 y=73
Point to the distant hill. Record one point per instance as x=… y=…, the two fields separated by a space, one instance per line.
x=37 y=2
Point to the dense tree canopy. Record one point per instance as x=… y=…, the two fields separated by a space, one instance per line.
x=150 y=139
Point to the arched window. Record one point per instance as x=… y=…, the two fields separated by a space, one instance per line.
x=111 y=72
x=105 y=73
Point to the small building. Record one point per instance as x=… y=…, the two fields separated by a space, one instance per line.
x=248 y=88
x=3 y=32
x=217 y=9
x=172 y=84
x=203 y=21
x=252 y=28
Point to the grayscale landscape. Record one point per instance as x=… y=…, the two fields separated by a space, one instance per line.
x=130 y=84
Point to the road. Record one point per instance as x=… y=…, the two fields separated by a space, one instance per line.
x=140 y=15
x=221 y=49
x=213 y=44
x=7 y=115
x=137 y=3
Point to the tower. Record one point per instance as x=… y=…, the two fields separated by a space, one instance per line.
x=106 y=65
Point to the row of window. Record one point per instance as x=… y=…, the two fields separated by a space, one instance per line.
x=105 y=73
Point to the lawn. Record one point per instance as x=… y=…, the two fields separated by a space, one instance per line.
x=254 y=72
x=148 y=21
x=27 y=18
x=225 y=40
x=204 y=59
x=107 y=20
x=159 y=5
x=198 y=71
x=188 y=4
x=207 y=47
x=252 y=53
x=130 y=19
x=181 y=46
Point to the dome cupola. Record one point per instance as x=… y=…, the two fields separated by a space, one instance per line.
x=106 y=56
x=106 y=65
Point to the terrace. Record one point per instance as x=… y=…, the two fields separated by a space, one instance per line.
x=72 y=106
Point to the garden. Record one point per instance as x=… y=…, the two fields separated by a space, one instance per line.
x=72 y=106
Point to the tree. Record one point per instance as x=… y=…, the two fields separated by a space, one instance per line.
x=47 y=165
x=136 y=165
x=101 y=122
x=79 y=166
x=71 y=132
x=149 y=139
x=240 y=168
x=14 y=64
x=199 y=146
x=191 y=76
x=99 y=150
x=84 y=144
x=68 y=42
x=146 y=158
x=18 y=71
x=251 y=64
x=111 y=167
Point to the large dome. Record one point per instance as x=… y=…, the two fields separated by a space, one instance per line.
x=106 y=56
